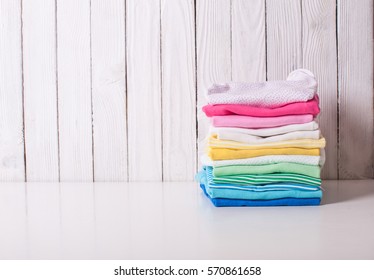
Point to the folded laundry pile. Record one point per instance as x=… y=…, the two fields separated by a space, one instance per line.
x=264 y=147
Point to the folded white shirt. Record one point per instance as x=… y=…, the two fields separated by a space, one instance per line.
x=252 y=139
x=302 y=159
x=266 y=132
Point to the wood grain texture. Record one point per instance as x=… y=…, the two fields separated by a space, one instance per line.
x=74 y=90
x=144 y=90
x=213 y=40
x=12 y=166
x=284 y=49
x=248 y=40
x=178 y=90
x=319 y=56
x=40 y=91
x=355 y=51
x=109 y=90
x=106 y=90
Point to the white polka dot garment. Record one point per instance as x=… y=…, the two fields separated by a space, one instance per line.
x=300 y=86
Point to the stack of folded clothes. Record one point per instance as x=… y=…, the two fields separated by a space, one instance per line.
x=264 y=146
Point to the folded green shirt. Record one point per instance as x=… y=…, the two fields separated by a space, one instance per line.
x=264 y=179
x=283 y=167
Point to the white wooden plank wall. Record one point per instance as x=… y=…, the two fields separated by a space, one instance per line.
x=109 y=90
x=355 y=54
x=213 y=46
x=284 y=49
x=40 y=90
x=319 y=55
x=12 y=165
x=144 y=90
x=178 y=89
x=98 y=90
x=248 y=41
x=74 y=90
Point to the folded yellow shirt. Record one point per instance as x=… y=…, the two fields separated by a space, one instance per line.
x=296 y=143
x=223 y=153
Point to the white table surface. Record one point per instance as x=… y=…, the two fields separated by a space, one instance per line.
x=176 y=221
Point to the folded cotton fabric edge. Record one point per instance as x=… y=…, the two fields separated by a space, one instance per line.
x=300 y=86
x=262 y=179
x=293 y=143
x=251 y=139
x=290 y=201
x=224 y=154
x=284 y=167
x=269 y=184
x=263 y=192
x=266 y=132
x=262 y=160
x=297 y=108
x=259 y=122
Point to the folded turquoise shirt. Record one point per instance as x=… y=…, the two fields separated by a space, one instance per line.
x=271 y=191
x=288 y=201
x=282 y=167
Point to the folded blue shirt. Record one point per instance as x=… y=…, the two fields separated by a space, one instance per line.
x=287 y=201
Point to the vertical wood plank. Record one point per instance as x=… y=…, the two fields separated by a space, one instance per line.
x=40 y=96
x=12 y=166
x=144 y=90
x=74 y=90
x=248 y=40
x=319 y=56
x=284 y=50
x=355 y=50
x=108 y=90
x=178 y=90
x=213 y=39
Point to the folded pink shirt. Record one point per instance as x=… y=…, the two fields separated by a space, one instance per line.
x=297 y=108
x=259 y=122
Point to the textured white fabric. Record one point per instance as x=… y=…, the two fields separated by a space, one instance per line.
x=265 y=132
x=252 y=139
x=310 y=160
x=300 y=86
